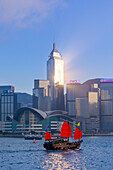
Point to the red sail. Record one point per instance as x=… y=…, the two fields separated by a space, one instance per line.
x=77 y=134
x=66 y=130
x=47 y=136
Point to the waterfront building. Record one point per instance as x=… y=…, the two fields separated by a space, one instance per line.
x=106 y=112
x=74 y=92
x=7 y=88
x=34 y=120
x=83 y=102
x=93 y=102
x=8 y=105
x=104 y=88
x=8 y=102
x=8 y=126
x=59 y=94
x=41 y=98
x=81 y=105
x=55 y=74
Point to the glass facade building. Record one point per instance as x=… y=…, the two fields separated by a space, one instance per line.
x=93 y=101
x=41 y=98
x=30 y=119
x=81 y=105
x=59 y=93
x=8 y=105
x=55 y=74
x=8 y=102
x=73 y=91
x=93 y=104
x=106 y=106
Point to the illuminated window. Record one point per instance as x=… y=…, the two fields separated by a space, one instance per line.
x=95 y=85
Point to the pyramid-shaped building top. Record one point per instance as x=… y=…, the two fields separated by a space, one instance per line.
x=55 y=53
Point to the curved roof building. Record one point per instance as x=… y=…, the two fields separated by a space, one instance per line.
x=31 y=119
x=26 y=110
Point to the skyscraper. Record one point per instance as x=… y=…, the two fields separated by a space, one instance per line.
x=41 y=98
x=8 y=102
x=55 y=73
x=76 y=95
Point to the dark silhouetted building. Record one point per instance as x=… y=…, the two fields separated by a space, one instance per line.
x=59 y=94
x=24 y=100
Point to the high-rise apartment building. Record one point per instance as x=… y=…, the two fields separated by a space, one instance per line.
x=55 y=74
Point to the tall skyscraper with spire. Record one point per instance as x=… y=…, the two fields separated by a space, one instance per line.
x=55 y=75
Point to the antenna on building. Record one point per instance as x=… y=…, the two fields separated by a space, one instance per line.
x=54 y=37
x=54 y=45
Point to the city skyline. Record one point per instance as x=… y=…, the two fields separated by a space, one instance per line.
x=83 y=35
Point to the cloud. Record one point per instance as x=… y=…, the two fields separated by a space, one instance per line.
x=26 y=12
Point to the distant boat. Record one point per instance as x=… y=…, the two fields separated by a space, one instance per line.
x=32 y=136
x=63 y=143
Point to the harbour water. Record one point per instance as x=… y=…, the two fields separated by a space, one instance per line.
x=20 y=154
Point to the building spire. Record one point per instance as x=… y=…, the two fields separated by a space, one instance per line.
x=54 y=45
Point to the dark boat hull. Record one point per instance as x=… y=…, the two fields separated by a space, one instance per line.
x=62 y=146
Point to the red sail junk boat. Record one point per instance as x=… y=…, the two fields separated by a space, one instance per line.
x=63 y=143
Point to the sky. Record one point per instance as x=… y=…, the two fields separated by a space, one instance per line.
x=83 y=35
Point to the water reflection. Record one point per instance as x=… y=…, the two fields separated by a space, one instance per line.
x=56 y=160
x=70 y=159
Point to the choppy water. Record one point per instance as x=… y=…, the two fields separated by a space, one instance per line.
x=20 y=154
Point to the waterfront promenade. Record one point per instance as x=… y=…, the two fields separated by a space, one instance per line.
x=89 y=134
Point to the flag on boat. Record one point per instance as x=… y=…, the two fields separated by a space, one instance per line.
x=47 y=127
x=78 y=124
